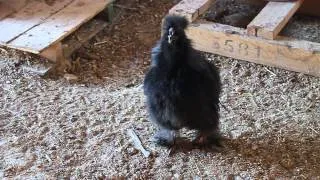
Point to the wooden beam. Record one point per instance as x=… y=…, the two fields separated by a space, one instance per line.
x=273 y=17
x=54 y=52
x=191 y=9
x=291 y=54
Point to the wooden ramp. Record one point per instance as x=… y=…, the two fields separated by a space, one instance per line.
x=38 y=26
x=259 y=43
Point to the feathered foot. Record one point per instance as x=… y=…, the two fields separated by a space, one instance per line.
x=165 y=137
x=208 y=139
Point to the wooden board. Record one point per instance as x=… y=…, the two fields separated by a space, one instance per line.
x=33 y=14
x=272 y=19
x=191 y=9
x=286 y=53
x=59 y=25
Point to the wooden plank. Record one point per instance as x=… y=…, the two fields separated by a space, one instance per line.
x=191 y=9
x=34 y=13
x=58 y=26
x=273 y=17
x=286 y=53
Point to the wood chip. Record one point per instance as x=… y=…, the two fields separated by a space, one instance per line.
x=70 y=77
x=137 y=143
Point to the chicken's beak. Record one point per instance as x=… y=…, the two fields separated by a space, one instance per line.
x=169 y=39
x=170 y=35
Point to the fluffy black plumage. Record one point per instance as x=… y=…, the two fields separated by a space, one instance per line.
x=182 y=89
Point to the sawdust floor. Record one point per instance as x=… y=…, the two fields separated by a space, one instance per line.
x=303 y=27
x=61 y=129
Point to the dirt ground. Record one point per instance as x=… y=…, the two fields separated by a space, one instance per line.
x=77 y=129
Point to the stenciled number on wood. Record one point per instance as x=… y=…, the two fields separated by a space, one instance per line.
x=229 y=45
x=243 y=48
x=258 y=50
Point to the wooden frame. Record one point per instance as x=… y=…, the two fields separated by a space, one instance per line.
x=259 y=43
x=40 y=27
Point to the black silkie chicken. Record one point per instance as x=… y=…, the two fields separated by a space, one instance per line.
x=182 y=89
